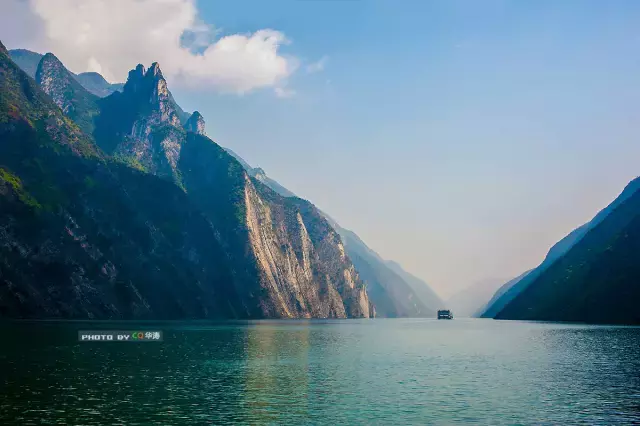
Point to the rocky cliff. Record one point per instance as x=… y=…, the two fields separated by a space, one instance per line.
x=156 y=222
x=141 y=125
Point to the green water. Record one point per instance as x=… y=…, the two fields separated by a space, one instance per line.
x=389 y=372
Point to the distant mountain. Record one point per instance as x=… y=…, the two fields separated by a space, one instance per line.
x=152 y=220
x=27 y=60
x=424 y=292
x=96 y=84
x=597 y=279
x=510 y=290
x=392 y=295
x=467 y=302
x=91 y=81
x=482 y=312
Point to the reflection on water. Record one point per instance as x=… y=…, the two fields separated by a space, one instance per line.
x=276 y=384
x=323 y=372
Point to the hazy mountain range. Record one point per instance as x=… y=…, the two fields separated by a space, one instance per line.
x=116 y=204
x=469 y=301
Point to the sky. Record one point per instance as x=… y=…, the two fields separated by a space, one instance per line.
x=461 y=139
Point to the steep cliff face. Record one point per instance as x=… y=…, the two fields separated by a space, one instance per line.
x=89 y=235
x=282 y=244
x=73 y=99
x=305 y=269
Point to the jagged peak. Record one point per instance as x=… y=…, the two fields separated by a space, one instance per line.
x=134 y=78
x=136 y=74
x=51 y=66
x=148 y=87
x=195 y=123
x=154 y=71
x=50 y=59
x=3 y=49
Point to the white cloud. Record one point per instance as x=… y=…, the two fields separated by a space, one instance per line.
x=317 y=66
x=112 y=36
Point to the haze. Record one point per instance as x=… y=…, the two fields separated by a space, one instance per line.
x=461 y=139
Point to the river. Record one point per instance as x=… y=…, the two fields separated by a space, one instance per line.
x=382 y=371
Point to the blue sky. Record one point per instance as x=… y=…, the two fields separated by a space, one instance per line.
x=459 y=138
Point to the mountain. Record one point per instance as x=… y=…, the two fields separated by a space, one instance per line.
x=511 y=289
x=493 y=302
x=467 y=302
x=259 y=174
x=141 y=126
x=97 y=85
x=27 y=60
x=393 y=291
x=85 y=237
x=391 y=294
x=424 y=292
x=164 y=224
x=73 y=99
x=597 y=279
x=92 y=81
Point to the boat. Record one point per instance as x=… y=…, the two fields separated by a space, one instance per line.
x=445 y=314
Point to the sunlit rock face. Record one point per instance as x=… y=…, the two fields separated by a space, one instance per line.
x=286 y=256
x=283 y=269
x=142 y=216
x=299 y=260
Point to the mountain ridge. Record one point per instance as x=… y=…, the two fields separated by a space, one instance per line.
x=511 y=289
x=274 y=257
x=595 y=280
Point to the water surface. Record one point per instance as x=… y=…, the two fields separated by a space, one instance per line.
x=383 y=371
